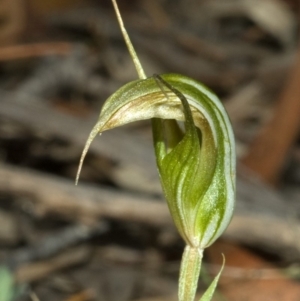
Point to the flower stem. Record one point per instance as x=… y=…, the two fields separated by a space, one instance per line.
x=189 y=273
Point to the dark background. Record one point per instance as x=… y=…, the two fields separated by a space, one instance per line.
x=111 y=237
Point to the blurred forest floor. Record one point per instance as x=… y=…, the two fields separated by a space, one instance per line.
x=111 y=238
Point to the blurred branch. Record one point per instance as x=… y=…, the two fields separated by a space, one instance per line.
x=268 y=151
x=16 y=52
x=54 y=195
x=38 y=270
x=137 y=170
x=53 y=244
x=13 y=20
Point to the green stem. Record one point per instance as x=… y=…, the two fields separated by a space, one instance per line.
x=136 y=61
x=189 y=273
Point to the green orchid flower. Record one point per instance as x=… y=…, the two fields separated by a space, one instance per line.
x=196 y=161
x=197 y=168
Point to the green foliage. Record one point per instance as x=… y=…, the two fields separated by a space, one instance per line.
x=211 y=289
x=7 y=288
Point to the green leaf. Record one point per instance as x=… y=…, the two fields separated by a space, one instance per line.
x=211 y=289
x=7 y=287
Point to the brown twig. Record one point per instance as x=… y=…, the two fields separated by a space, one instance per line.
x=25 y=51
x=54 y=195
x=35 y=271
x=136 y=151
x=53 y=244
x=269 y=150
